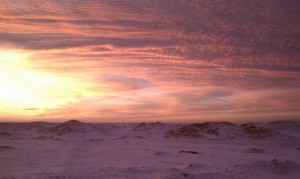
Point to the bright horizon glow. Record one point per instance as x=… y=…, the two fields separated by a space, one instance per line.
x=23 y=87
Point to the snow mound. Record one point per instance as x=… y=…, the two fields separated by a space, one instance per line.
x=256 y=132
x=226 y=130
x=71 y=126
x=150 y=130
x=206 y=129
x=148 y=126
x=287 y=128
x=284 y=125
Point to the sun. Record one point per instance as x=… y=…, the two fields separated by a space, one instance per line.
x=22 y=86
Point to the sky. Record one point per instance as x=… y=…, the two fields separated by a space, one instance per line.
x=149 y=60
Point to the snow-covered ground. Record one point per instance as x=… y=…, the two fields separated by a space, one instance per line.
x=149 y=150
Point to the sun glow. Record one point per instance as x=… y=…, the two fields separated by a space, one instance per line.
x=23 y=87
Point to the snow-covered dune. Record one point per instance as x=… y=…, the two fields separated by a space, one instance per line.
x=226 y=130
x=75 y=149
x=71 y=126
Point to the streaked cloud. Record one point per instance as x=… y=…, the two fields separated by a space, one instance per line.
x=151 y=60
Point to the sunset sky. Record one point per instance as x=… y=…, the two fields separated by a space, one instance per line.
x=149 y=60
